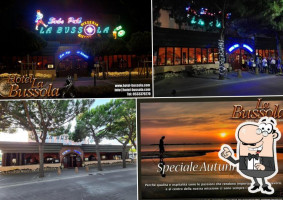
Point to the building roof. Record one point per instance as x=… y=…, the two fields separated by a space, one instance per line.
x=32 y=147
x=165 y=37
x=28 y=147
x=183 y=38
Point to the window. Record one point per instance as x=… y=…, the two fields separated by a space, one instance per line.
x=169 y=54
x=198 y=55
x=272 y=53
x=110 y=58
x=161 y=56
x=266 y=53
x=44 y=62
x=215 y=54
x=129 y=60
x=184 y=56
x=210 y=55
x=39 y=62
x=204 y=55
x=177 y=56
x=260 y=52
x=50 y=59
x=191 y=56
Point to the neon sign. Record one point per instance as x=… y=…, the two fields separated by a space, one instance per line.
x=72 y=20
x=232 y=48
x=248 y=47
x=65 y=152
x=82 y=54
x=218 y=24
x=89 y=29
x=53 y=20
x=73 y=26
x=39 y=20
x=235 y=46
x=118 y=31
x=193 y=21
x=78 y=152
x=64 y=54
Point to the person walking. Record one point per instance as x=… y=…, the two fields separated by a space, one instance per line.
x=264 y=64
x=273 y=65
x=161 y=145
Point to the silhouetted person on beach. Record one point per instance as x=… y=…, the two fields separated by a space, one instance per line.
x=161 y=145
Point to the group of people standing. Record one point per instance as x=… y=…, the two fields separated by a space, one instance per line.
x=271 y=64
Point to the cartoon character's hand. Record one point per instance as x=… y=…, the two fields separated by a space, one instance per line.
x=259 y=166
x=226 y=153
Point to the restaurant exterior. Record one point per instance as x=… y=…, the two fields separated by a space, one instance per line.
x=178 y=47
x=68 y=156
x=63 y=55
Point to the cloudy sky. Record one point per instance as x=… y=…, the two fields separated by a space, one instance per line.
x=192 y=122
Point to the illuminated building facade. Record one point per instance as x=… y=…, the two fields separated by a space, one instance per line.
x=63 y=54
x=176 y=45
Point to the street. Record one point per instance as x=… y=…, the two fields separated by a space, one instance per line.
x=118 y=184
x=250 y=84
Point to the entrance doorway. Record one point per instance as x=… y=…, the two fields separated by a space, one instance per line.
x=72 y=160
x=71 y=65
x=239 y=59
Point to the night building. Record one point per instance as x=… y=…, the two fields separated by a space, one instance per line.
x=178 y=46
x=65 y=34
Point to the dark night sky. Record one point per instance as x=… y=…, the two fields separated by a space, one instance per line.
x=135 y=15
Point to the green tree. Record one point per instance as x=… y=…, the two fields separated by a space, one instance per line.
x=273 y=14
x=123 y=123
x=41 y=117
x=92 y=123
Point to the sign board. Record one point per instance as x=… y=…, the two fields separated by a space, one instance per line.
x=75 y=26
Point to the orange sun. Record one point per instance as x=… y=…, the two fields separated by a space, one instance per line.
x=223 y=135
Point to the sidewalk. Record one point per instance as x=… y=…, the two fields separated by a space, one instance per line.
x=31 y=178
x=189 y=86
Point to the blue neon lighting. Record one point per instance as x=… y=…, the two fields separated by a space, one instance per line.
x=64 y=54
x=65 y=152
x=232 y=48
x=248 y=47
x=76 y=151
x=82 y=54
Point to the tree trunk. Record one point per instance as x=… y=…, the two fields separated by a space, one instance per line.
x=124 y=153
x=221 y=47
x=99 y=167
x=134 y=144
x=41 y=160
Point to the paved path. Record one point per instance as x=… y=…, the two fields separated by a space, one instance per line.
x=250 y=84
x=112 y=183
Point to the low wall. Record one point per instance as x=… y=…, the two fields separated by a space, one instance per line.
x=179 y=68
x=43 y=73
x=28 y=167
x=109 y=162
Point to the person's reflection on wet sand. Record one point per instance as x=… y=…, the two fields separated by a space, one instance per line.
x=161 y=153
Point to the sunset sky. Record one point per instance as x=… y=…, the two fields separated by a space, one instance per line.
x=193 y=122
